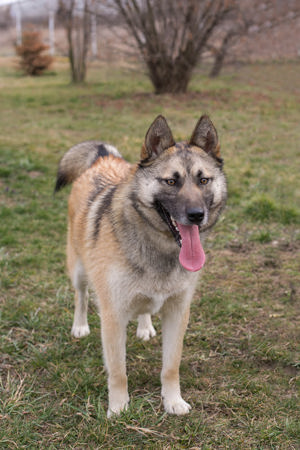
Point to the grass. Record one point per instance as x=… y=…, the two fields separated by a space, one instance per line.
x=240 y=368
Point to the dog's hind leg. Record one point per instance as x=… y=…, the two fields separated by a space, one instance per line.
x=80 y=326
x=145 y=329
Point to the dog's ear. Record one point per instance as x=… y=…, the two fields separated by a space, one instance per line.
x=205 y=136
x=158 y=138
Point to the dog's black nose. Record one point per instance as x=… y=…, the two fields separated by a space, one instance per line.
x=195 y=215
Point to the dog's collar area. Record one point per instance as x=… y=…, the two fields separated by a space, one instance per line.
x=164 y=214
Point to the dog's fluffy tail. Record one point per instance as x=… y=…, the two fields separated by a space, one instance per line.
x=80 y=158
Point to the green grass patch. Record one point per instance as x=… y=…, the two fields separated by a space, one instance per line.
x=264 y=209
x=240 y=366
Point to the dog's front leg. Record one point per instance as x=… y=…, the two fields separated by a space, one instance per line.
x=113 y=331
x=174 y=322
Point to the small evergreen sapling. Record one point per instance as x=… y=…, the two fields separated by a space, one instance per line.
x=33 y=60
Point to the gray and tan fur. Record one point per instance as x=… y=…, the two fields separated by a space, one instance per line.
x=132 y=238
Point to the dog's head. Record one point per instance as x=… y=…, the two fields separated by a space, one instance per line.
x=184 y=182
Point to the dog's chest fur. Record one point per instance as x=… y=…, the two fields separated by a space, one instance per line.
x=147 y=293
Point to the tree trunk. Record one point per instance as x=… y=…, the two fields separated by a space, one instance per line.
x=78 y=27
x=220 y=55
x=169 y=78
x=218 y=64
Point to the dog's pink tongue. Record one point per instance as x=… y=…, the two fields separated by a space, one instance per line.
x=191 y=256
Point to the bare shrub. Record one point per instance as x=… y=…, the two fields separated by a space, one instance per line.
x=172 y=35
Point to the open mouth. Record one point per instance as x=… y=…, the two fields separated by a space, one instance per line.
x=191 y=256
x=169 y=221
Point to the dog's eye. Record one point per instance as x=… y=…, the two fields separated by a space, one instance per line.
x=171 y=182
x=204 y=181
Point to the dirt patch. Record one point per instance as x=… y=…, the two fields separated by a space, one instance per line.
x=34 y=174
x=6 y=195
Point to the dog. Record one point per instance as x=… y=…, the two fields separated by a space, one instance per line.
x=135 y=235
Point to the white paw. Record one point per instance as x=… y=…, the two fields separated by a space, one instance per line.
x=145 y=333
x=80 y=331
x=177 y=406
x=116 y=409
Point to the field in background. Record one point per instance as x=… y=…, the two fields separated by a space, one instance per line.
x=240 y=368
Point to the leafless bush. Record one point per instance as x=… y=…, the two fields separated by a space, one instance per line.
x=171 y=35
x=247 y=18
